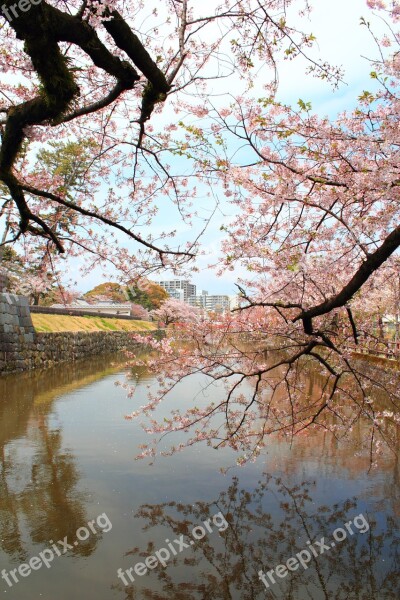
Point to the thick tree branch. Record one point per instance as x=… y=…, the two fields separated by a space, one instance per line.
x=367 y=268
x=42 y=30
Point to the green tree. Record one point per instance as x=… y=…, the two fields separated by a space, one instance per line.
x=106 y=291
x=148 y=294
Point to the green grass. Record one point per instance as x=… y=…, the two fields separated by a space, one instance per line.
x=59 y=323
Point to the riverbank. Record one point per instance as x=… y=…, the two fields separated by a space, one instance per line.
x=23 y=348
x=48 y=349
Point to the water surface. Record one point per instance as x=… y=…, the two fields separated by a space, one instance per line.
x=67 y=457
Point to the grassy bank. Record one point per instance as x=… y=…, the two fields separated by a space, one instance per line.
x=55 y=323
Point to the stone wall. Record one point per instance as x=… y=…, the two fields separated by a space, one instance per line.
x=22 y=349
x=4 y=281
x=17 y=333
x=49 y=349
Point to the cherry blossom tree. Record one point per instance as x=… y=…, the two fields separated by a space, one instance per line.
x=317 y=230
x=140 y=312
x=174 y=311
x=98 y=74
x=316 y=200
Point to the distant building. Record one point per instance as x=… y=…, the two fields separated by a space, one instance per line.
x=175 y=287
x=183 y=290
x=197 y=301
x=101 y=307
x=210 y=303
x=177 y=294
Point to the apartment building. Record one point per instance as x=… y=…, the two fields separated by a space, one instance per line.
x=175 y=287
x=210 y=303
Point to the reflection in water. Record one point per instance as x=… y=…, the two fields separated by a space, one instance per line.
x=38 y=480
x=269 y=525
x=67 y=454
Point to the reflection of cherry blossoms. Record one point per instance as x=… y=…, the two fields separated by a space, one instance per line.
x=262 y=381
x=267 y=526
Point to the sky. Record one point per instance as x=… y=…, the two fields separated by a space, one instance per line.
x=340 y=40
